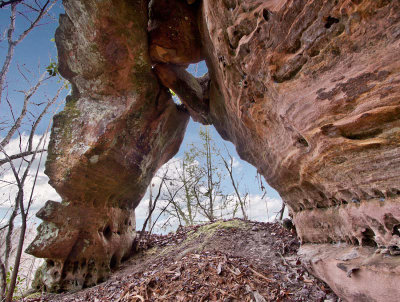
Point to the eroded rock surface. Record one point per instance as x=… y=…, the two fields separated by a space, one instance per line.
x=309 y=93
x=118 y=127
x=307 y=90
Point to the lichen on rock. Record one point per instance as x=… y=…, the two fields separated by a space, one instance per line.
x=118 y=127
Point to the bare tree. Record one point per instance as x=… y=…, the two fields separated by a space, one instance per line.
x=152 y=207
x=39 y=9
x=21 y=176
x=195 y=189
x=239 y=198
x=208 y=190
x=24 y=128
x=179 y=190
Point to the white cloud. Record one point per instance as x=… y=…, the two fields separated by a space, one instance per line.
x=236 y=163
x=259 y=208
x=8 y=188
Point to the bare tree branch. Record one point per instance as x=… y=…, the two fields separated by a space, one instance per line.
x=10 y=50
x=42 y=11
x=40 y=117
x=19 y=155
x=17 y=124
x=5 y=3
x=229 y=169
x=151 y=211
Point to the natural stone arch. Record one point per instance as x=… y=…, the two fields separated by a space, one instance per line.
x=308 y=91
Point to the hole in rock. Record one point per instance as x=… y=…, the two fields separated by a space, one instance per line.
x=113 y=262
x=302 y=141
x=330 y=21
x=50 y=263
x=266 y=14
x=265 y=202
x=295 y=47
x=314 y=53
x=368 y=238
x=378 y=194
x=107 y=232
x=396 y=230
x=390 y=222
x=363 y=135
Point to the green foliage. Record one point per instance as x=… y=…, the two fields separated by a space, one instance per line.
x=175 y=97
x=18 y=285
x=52 y=69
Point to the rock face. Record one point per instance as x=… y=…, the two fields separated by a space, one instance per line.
x=118 y=127
x=307 y=90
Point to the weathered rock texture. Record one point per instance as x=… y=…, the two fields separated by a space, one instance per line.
x=118 y=127
x=307 y=90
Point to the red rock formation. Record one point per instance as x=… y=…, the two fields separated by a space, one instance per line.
x=309 y=93
x=307 y=90
x=173 y=32
x=118 y=127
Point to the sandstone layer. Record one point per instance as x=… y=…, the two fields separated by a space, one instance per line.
x=307 y=90
x=309 y=93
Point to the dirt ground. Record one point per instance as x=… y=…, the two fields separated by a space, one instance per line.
x=232 y=260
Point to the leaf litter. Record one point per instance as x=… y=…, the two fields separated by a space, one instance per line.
x=233 y=260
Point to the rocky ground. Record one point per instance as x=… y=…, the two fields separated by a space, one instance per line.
x=225 y=261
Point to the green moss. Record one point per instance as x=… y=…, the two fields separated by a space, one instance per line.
x=223 y=225
x=207 y=231
x=37 y=282
x=33 y=295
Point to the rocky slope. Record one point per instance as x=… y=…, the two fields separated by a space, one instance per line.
x=230 y=260
x=307 y=90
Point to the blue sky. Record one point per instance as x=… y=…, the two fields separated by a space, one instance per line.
x=36 y=52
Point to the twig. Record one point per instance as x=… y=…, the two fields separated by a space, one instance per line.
x=5 y=3
x=19 y=155
x=260 y=275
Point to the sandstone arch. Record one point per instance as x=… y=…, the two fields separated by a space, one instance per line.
x=308 y=91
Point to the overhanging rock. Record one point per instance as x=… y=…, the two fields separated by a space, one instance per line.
x=307 y=90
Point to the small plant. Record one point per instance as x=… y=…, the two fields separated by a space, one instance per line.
x=18 y=284
x=175 y=98
x=52 y=69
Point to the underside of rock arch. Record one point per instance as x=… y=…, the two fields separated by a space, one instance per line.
x=307 y=90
